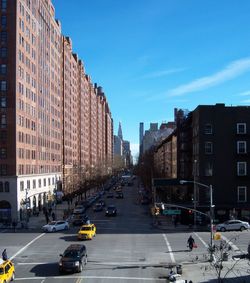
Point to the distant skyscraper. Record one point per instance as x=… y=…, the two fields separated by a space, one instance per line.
x=141 y=134
x=120 y=131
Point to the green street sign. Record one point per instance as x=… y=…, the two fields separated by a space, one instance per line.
x=171 y=212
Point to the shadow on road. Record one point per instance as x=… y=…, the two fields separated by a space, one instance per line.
x=45 y=270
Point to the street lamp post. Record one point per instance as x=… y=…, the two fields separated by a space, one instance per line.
x=211 y=211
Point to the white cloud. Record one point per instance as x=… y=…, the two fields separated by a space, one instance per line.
x=163 y=73
x=231 y=71
x=245 y=93
x=246 y=101
x=134 y=147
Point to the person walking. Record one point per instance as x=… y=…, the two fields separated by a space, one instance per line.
x=4 y=255
x=190 y=242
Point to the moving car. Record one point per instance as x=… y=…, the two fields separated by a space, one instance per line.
x=87 y=232
x=79 y=209
x=232 y=225
x=73 y=259
x=54 y=226
x=79 y=219
x=111 y=210
x=97 y=207
x=119 y=195
x=7 y=271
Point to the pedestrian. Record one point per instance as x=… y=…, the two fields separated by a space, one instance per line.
x=4 y=255
x=190 y=242
x=14 y=224
x=50 y=210
x=53 y=216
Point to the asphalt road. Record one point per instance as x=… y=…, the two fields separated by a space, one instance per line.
x=126 y=249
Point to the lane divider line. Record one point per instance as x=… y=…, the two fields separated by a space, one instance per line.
x=169 y=248
x=203 y=242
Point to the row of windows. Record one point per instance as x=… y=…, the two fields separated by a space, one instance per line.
x=241 y=147
x=35 y=184
x=241 y=169
x=4 y=187
x=241 y=128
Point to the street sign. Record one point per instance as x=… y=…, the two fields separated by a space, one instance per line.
x=171 y=212
x=162 y=182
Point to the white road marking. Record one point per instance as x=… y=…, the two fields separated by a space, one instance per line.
x=203 y=242
x=26 y=246
x=96 y=277
x=169 y=248
x=234 y=247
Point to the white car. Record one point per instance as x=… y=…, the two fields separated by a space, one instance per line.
x=233 y=225
x=79 y=209
x=54 y=226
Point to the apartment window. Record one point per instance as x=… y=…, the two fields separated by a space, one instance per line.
x=28 y=184
x=34 y=184
x=44 y=182
x=3 y=102
x=3 y=169
x=241 y=147
x=242 y=194
x=3 y=153
x=3 y=85
x=22 y=186
x=1 y=187
x=3 y=52
x=208 y=147
x=39 y=183
x=241 y=128
x=208 y=169
x=3 y=5
x=241 y=168
x=3 y=69
x=7 y=187
x=3 y=122
x=3 y=136
x=208 y=130
x=3 y=37
x=3 y=21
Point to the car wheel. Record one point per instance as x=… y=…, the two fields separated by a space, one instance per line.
x=242 y=228
x=66 y=227
x=13 y=276
x=54 y=229
x=222 y=229
x=86 y=260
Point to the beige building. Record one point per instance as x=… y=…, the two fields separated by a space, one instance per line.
x=56 y=127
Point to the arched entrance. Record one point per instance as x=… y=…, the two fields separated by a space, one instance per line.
x=5 y=211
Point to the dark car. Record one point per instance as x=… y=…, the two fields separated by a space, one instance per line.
x=79 y=219
x=110 y=195
x=98 y=207
x=111 y=210
x=119 y=195
x=102 y=202
x=73 y=259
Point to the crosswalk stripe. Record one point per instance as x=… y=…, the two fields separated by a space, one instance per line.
x=169 y=248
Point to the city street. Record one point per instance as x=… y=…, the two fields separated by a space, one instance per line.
x=126 y=249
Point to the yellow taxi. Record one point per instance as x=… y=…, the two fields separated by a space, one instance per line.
x=87 y=232
x=7 y=271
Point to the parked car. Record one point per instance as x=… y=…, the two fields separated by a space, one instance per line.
x=54 y=226
x=79 y=219
x=87 y=232
x=79 y=209
x=111 y=210
x=119 y=195
x=102 y=202
x=7 y=271
x=232 y=225
x=73 y=259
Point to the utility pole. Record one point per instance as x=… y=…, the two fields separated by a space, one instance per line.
x=195 y=194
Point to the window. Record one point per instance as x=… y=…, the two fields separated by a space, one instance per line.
x=241 y=147
x=7 y=187
x=3 y=136
x=3 y=21
x=3 y=85
x=44 y=182
x=3 y=5
x=3 y=122
x=3 y=169
x=34 y=184
x=3 y=69
x=241 y=128
x=3 y=153
x=3 y=52
x=208 y=169
x=1 y=187
x=242 y=194
x=3 y=37
x=241 y=168
x=39 y=183
x=208 y=147
x=22 y=186
x=208 y=130
x=3 y=102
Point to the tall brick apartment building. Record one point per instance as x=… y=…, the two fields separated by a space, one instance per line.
x=213 y=145
x=55 y=124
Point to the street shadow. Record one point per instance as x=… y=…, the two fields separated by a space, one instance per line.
x=178 y=251
x=239 y=279
x=69 y=238
x=45 y=270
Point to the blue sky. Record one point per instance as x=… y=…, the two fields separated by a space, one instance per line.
x=151 y=56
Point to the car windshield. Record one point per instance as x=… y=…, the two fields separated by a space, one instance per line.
x=71 y=253
x=85 y=228
x=1 y=270
x=52 y=223
x=111 y=207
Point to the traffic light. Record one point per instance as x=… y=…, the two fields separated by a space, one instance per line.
x=190 y=211
x=157 y=211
